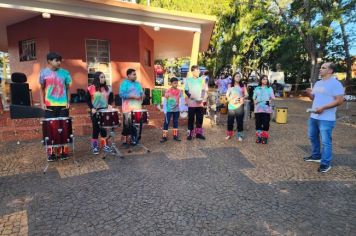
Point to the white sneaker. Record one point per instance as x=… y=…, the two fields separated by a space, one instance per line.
x=106 y=149
x=239 y=139
x=227 y=137
x=95 y=151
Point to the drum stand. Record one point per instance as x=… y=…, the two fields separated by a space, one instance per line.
x=46 y=148
x=114 y=149
x=138 y=127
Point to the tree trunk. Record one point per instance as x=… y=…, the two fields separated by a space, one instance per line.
x=297 y=81
x=314 y=68
x=310 y=46
x=347 y=53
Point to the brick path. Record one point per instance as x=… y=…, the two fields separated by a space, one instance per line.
x=212 y=187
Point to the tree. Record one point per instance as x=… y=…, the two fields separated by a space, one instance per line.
x=345 y=12
x=312 y=19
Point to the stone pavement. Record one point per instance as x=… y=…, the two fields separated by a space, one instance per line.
x=212 y=187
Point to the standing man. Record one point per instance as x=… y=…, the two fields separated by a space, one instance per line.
x=197 y=91
x=55 y=83
x=327 y=94
x=132 y=96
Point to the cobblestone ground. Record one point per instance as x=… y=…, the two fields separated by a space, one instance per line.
x=212 y=187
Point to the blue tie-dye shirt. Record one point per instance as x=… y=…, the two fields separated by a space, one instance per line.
x=261 y=95
x=127 y=89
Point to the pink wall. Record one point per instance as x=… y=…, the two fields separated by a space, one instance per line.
x=146 y=72
x=66 y=36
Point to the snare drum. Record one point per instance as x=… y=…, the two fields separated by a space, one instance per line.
x=139 y=116
x=57 y=131
x=223 y=104
x=222 y=99
x=108 y=118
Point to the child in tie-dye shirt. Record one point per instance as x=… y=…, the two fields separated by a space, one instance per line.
x=197 y=91
x=132 y=95
x=171 y=109
x=235 y=96
x=99 y=96
x=55 y=83
x=262 y=97
x=223 y=83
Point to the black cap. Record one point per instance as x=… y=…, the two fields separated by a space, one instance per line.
x=52 y=55
x=173 y=79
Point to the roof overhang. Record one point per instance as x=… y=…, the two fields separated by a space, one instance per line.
x=173 y=25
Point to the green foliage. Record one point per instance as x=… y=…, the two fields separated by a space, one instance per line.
x=208 y=7
x=264 y=37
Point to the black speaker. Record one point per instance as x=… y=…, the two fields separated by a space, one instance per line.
x=20 y=94
x=118 y=100
x=147 y=99
x=18 y=77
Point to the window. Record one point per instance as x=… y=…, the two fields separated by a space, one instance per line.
x=98 y=58
x=27 y=50
x=147 y=57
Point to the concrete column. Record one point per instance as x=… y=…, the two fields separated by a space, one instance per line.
x=3 y=93
x=195 y=50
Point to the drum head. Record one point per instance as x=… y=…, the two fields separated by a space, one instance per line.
x=184 y=114
x=56 y=118
x=140 y=110
x=107 y=110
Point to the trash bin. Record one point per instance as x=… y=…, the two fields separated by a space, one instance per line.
x=156 y=96
x=287 y=88
x=281 y=115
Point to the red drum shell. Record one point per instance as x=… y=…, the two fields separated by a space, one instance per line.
x=57 y=131
x=108 y=118
x=138 y=115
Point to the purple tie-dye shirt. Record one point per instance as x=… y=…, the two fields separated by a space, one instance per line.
x=223 y=85
x=55 y=83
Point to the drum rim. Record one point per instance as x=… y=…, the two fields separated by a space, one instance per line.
x=109 y=127
x=56 y=118
x=139 y=110
x=107 y=110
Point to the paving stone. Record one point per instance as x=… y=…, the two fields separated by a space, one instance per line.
x=212 y=187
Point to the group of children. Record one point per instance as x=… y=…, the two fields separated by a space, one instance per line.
x=55 y=83
x=235 y=91
x=196 y=91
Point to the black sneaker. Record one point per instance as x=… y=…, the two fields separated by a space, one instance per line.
x=200 y=136
x=51 y=158
x=164 y=139
x=64 y=156
x=312 y=159
x=324 y=168
x=176 y=138
x=258 y=140
x=189 y=137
